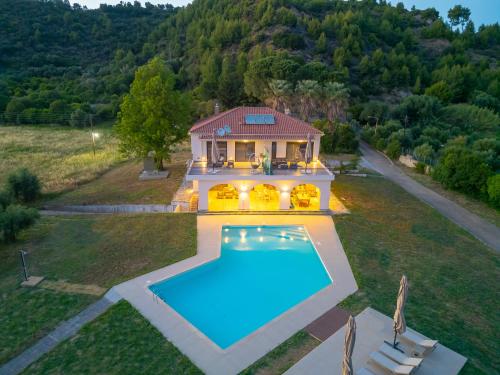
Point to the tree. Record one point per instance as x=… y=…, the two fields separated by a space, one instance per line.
x=280 y=92
x=309 y=92
x=335 y=100
x=14 y=218
x=459 y=15
x=153 y=115
x=424 y=152
x=23 y=185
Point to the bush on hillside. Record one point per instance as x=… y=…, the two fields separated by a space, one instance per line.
x=493 y=186
x=470 y=118
x=5 y=199
x=14 y=218
x=393 y=149
x=420 y=167
x=24 y=185
x=462 y=169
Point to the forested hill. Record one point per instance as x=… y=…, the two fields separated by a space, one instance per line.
x=55 y=58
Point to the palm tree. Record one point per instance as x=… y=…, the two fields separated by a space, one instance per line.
x=309 y=92
x=280 y=92
x=335 y=100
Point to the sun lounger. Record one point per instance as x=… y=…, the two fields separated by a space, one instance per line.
x=364 y=371
x=390 y=365
x=399 y=357
x=422 y=344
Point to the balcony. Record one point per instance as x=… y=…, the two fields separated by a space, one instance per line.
x=245 y=169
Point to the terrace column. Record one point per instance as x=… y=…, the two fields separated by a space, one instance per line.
x=284 y=200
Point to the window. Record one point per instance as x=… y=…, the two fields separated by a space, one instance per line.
x=245 y=151
x=295 y=150
x=222 y=145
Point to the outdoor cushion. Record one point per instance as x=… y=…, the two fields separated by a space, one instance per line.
x=390 y=365
x=399 y=357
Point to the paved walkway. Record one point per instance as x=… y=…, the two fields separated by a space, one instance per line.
x=484 y=231
x=106 y=209
x=62 y=332
x=372 y=328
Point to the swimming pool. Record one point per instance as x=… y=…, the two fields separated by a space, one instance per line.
x=262 y=272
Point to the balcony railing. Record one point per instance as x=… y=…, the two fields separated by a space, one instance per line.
x=245 y=169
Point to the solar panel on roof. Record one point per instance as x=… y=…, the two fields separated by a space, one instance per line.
x=259 y=120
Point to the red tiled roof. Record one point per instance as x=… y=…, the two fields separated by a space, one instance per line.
x=285 y=127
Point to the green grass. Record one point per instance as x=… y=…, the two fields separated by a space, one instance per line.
x=121 y=185
x=62 y=157
x=453 y=278
x=120 y=342
x=284 y=356
x=100 y=250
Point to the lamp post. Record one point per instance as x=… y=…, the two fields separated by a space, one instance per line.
x=22 y=253
x=93 y=135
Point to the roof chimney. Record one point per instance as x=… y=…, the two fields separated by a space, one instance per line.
x=216 y=108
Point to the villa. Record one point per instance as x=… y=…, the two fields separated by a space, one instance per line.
x=266 y=161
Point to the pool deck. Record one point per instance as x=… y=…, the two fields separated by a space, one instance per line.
x=372 y=328
x=202 y=351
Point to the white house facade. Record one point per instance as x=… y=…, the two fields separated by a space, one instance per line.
x=264 y=160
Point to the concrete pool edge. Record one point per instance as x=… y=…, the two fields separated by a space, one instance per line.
x=202 y=351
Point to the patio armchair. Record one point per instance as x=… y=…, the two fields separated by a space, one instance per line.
x=391 y=366
x=421 y=344
x=399 y=357
x=294 y=165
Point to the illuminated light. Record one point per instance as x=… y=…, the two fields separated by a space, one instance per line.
x=261 y=239
x=243 y=188
x=282 y=239
x=291 y=238
x=301 y=229
x=245 y=141
x=243 y=233
x=95 y=135
x=226 y=239
x=283 y=234
x=284 y=189
x=304 y=238
x=226 y=230
x=259 y=229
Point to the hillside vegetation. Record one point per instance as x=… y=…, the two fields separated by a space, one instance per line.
x=414 y=80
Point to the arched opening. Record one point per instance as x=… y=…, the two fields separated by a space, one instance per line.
x=223 y=197
x=264 y=197
x=305 y=197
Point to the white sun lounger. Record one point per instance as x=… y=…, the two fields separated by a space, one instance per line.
x=423 y=345
x=390 y=365
x=399 y=357
x=364 y=371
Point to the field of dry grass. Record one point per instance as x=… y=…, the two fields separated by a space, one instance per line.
x=62 y=157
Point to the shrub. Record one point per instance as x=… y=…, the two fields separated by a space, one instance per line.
x=420 y=167
x=464 y=170
x=393 y=149
x=15 y=218
x=23 y=185
x=380 y=144
x=5 y=199
x=494 y=190
x=346 y=139
x=424 y=152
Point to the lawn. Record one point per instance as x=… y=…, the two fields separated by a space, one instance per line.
x=100 y=250
x=121 y=185
x=61 y=156
x=120 y=342
x=473 y=205
x=453 y=278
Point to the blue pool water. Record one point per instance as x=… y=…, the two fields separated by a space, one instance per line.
x=262 y=272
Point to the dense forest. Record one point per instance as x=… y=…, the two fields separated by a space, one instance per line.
x=408 y=80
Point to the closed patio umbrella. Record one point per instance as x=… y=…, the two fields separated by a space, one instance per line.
x=214 y=152
x=308 y=153
x=399 y=317
x=350 y=338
